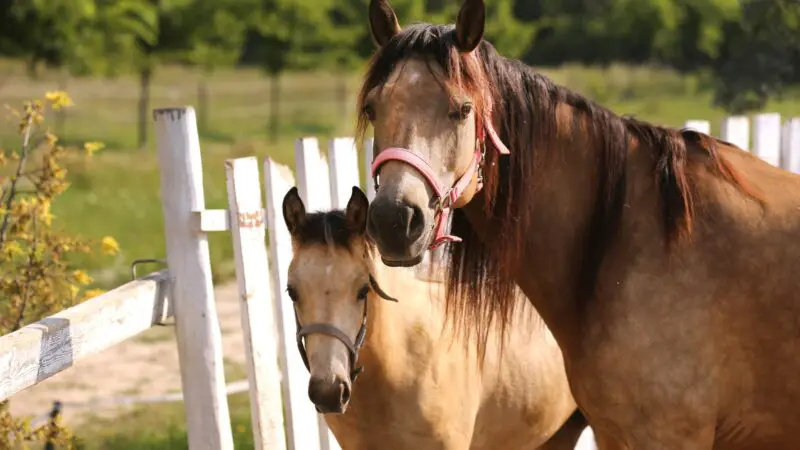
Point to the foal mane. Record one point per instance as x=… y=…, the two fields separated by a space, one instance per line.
x=330 y=228
x=480 y=287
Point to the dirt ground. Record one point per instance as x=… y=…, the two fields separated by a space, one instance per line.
x=146 y=365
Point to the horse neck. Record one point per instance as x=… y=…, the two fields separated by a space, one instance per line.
x=561 y=209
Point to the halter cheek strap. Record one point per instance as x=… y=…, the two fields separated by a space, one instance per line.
x=446 y=196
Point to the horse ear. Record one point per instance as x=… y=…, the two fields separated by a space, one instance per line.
x=294 y=212
x=469 y=25
x=356 y=212
x=383 y=24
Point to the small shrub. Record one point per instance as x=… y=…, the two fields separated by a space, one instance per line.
x=37 y=277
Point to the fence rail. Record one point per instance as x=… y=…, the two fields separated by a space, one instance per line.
x=40 y=350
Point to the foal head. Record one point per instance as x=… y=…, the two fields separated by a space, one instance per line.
x=329 y=282
x=426 y=96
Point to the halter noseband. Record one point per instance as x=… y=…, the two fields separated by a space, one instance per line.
x=446 y=196
x=353 y=347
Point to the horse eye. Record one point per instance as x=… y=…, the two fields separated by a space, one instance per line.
x=463 y=112
x=292 y=293
x=362 y=293
x=369 y=111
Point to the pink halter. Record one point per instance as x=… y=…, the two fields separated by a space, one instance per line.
x=445 y=197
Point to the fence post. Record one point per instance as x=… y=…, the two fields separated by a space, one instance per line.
x=767 y=138
x=299 y=413
x=736 y=130
x=250 y=254
x=703 y=126
x=791 y=148
x=196 y=324
x=343 y=170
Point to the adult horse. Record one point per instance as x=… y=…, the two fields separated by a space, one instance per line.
x=661 y=260
x=420 y=388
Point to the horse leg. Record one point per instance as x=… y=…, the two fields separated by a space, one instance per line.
x=568 y=435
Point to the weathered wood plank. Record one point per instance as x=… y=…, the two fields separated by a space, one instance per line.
x=343 y=170
x=42 y=349
x=299 y=412
x=767 y=137
x=736 y=130
x=197 y=325
x=702 y=126
x=250 y=254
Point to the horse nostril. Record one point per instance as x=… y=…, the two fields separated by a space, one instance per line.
x=416 y=223
x=345 y=392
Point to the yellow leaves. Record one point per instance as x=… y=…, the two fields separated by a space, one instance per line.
x=12 y=249
x=90 y=148
x=92 y=293
x=74 y=290
x=81 y=277
x=58 y=99
x=240 y=428
x=109 y=245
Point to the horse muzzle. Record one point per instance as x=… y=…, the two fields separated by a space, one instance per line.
x=330 y=396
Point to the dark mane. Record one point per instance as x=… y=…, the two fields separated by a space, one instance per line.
x=329 y=228
x=481 y=287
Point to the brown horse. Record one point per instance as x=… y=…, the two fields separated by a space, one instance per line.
x=660 y=259
x=421 y=389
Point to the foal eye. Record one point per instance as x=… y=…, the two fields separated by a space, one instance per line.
x=362 y=293
x=462 y=112
x=292 y=293
x=369 y=111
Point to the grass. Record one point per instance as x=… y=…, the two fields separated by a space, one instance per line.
x=158 y=427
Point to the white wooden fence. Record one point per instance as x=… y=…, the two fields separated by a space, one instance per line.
x=282 y=416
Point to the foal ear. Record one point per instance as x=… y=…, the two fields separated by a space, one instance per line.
x=294 y=212
x=356 y=212
x=383 y=24
x=469 y=25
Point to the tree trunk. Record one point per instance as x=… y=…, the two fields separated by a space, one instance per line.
x=202 y=104
x=145 y=77
x=275 y=107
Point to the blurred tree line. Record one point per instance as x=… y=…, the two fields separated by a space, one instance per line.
x=748 y=50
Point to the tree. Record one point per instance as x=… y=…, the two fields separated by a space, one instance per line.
x=761 y=55
x=82 y=37
x=207 y=34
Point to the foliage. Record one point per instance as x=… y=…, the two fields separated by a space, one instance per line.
x=84 y=36
x=35 y=256
x=761 y=56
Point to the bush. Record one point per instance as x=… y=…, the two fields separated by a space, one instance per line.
x=38 y=279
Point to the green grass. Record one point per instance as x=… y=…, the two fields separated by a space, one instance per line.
x=158 y=427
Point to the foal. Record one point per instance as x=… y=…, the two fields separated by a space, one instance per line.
x=420 y=389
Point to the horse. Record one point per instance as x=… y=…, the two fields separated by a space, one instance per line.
x=421 y=388
x=659 y=258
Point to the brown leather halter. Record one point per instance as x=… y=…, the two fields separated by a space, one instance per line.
x=353 y=346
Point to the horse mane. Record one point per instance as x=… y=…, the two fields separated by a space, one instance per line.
x=480 y=284
x=330 y=228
